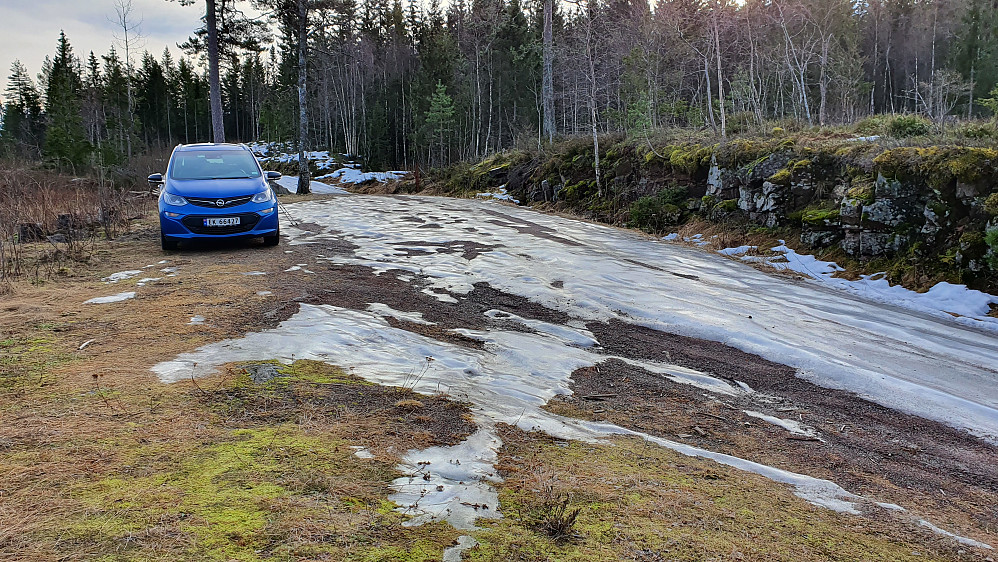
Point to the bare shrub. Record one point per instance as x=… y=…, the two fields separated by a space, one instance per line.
x=48 y=219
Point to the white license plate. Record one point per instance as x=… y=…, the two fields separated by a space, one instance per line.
x=224 y=221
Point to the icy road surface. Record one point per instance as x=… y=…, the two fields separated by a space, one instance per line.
x=906 y=360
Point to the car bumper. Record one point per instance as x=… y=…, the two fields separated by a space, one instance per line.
x=177 y=224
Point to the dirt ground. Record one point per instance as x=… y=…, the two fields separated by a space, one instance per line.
x=79 y=402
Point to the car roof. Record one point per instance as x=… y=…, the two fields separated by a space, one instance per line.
x=208 y=146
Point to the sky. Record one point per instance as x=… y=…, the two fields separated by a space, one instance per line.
x=31 y=29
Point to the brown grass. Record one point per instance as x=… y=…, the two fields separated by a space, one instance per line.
x=49 y=221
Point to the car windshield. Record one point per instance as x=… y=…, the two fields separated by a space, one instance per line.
x=213 y=165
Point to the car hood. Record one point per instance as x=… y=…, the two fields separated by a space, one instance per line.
x=216 y=188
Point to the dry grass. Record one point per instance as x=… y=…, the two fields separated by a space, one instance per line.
x=637 y=501
x=99 y=459
x=49 y=221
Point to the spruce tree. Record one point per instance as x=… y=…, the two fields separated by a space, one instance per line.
x=440 y=120
x=65 y=140
x=23 y=125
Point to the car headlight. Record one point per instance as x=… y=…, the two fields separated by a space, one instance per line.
x=263 y=197
x=175 y=200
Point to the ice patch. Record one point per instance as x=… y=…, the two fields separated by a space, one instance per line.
x=197 y=320
x=793 y=426
x=442 y=297
x=362 y=452
x=254 y=273
x=142 y=282
x=508 y=381
x=450 y=483
x=957 y=538
x=929 y=366
x=121 y=276
x=113 y=298
x=299 y=267
x=671 y=237
x=169 y=270
x=264 y=293
x=389 y=312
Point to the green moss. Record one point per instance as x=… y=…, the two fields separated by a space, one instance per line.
x=991 y=204
x=707 y=202
x=939 y=166
x=863 y=191
x=728 y=205
x=782 y=177
x=820 y=217
x=801 y=167
x=991 y=239
x=319 y=372
x=580 y=191
x=690 y=159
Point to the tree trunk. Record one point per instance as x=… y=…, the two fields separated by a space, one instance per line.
x=214 y=90
x=303 y=174
x=547 y=87
x=720 y=77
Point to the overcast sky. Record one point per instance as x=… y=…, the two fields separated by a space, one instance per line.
x=31 y=29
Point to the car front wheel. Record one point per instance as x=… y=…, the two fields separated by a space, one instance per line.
x=272 y=240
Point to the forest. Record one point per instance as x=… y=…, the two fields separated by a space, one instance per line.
x=406 y=85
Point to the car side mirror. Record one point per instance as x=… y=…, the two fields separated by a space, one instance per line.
x=155 y=178
x=273 y=176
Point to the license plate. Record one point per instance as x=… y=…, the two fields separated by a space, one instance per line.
x=223 y=221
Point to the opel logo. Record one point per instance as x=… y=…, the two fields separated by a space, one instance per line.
x=220 y=203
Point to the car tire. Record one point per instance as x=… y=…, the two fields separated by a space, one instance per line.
x=273 y=240
x=168 y=244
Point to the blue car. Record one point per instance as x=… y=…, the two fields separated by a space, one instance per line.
x=213 y=192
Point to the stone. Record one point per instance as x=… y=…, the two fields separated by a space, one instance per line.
x=884 y=212
x=30 y=232
x=892 y=188
x=262 y=373
x=851 y=211
x=966 y=190
x=820 y=238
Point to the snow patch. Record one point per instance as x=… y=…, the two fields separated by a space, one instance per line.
x=121 y=276
x=500 y=194
x=354 y=176
x=291 y=184
x=112 y=298
x=793 y=426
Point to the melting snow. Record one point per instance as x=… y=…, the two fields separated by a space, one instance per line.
x=388 y=312
x=354 y=176
x=121 y=276
x=793 y=426
x=500 y=194
x=113 y=298
x=944 y=297
x=291 y=184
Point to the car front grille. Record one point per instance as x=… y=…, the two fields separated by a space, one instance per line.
x=213 y=202
x=195 y=223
